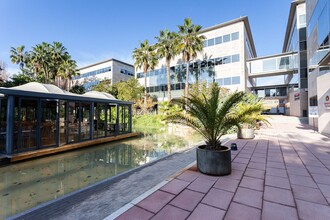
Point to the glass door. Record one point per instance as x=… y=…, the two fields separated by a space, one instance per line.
x=48 y=125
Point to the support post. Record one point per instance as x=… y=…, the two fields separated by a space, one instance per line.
x=10 y=125
x=117 y=120
x=130 y=118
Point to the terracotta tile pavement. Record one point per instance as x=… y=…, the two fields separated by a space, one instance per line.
x=284 y=173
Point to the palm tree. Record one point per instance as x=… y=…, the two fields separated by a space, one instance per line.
x=40 y=58
x=58 y=55
x=18 y=56
x=145 y=58
x=210 y=115
x=190 y=44
x=167 y=48
x=67 y=70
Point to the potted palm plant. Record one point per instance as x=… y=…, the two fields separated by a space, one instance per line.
x=211 y=115
x=249 y=122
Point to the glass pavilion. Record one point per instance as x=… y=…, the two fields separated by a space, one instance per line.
x=36 y=116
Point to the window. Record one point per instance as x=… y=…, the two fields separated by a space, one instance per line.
x=313 y=101
x=235 y=36
x=226 y=38
x=218 y=40
x=235 y=80
x=210 y=42
x=281 y=91
x=220 y=81
x=218 y=61
x=205 y=43
x=227 y=81
x=235 y=58
x=226 y=59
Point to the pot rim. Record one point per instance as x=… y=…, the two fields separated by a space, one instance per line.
x=201 y=149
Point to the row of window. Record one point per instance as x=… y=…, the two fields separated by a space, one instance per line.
x=126 y=72
x=227 y=81
x=89 y=85
x=198 y=64
x=93 y=73
x=272 y=92
x=221 y=39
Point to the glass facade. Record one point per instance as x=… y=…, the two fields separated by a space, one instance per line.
x=93 y=73
x=38 y=123
x=318 y=30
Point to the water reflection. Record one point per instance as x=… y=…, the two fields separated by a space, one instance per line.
x=27 y=184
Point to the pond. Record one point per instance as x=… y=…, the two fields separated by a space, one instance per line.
x=29 y=183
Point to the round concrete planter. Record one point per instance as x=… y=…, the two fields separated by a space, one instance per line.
x=214 y=162
x=245 y=133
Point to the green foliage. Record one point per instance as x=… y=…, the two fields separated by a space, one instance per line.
x=147 y=121
x=211 y=116
x=249 y=111
x=105 y=86
x=199 y=89
x=129 y=90
x=78 y=89
x=167 y=108
x=45 y=62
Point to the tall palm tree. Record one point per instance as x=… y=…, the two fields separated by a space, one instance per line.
x=18 y=56
x=40 y=58
x=67 y=70
x=58 y=55
x=190 y=44
x=167 y=48
x=145 y=59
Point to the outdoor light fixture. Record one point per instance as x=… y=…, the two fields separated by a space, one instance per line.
x=233 y=146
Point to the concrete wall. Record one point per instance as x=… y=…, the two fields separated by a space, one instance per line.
x=117 y=74
x=323 y=90
x=298 y=102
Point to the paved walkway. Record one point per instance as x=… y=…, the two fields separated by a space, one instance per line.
x=284 y=173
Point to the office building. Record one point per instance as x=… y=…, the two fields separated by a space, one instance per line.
x=112 y=70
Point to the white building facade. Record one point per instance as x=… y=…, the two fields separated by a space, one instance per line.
x=112 y=70
x=227 y=46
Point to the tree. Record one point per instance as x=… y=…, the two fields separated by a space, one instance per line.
x=145 y=58
x=105 y=86
x=167 y=48
x=41 y=60
x=129 y=90
x=210 y=116
x=18 y=56
x=190 y=44
x=67 y=69
x=78 y=89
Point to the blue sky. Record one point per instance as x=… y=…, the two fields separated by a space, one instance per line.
x=96 y=30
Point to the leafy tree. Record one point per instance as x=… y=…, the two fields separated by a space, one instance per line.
x=78 y=89
x=129 y=90
x=167 y=48
x=190 y=44
x=145 y=58
x=105 y=86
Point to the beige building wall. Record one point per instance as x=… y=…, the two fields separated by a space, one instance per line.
x=297 y=104
x=218 y=50
x=323 y=90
